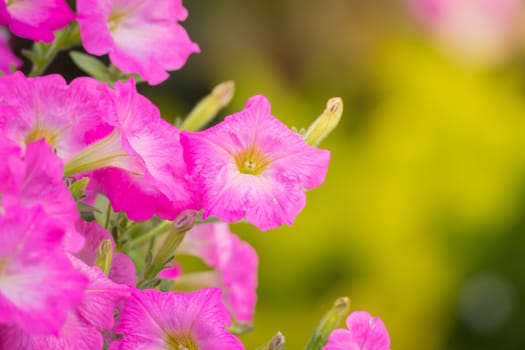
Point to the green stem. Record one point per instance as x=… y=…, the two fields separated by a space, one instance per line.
x=65 y=38
x=108 y=216
x=160 y=228
x=182 y=224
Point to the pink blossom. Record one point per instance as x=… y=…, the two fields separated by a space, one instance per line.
x=46 y=107
x=100 y=297
x=7 y=58
x=83 y=324
x=253 y=166
x=364 y=333
x=36 y=179
x=35 y=19
x=38 y=285
x=144 y=172
x=236 y=263
x=141 y=36
x=75 y=334
x=150 y=177
x=157 y=320
x=122 y=269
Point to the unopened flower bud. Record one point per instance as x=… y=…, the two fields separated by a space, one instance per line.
x=276 y=343
x=209 y=106
x=182 y=223
x=104 y=256
x=329 y=322
x=325 y=123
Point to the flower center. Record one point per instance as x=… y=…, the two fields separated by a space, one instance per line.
x=106 y=152
x=116 y=17
x=180 y=341
x=251 y=161
x=40 y=132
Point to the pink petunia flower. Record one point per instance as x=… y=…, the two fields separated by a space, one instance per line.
x=7 y=58
x=75 y=334
x=150 y=176
x=36 y=179
x=35 y=19
x=157 y=320
x=66 y=116
x=83 y=324
x=253 y=166
x=236 y=265
x=364 y=333
x=38 y=284
x=145 y=173
x=141 y=36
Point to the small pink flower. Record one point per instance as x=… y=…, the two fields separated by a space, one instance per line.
x=236 y=265
x=141 y=36
x=35 y=19
x=7 y=58
x=38 y=284
x=253 y=166
x=364 y=333
x=157 y=320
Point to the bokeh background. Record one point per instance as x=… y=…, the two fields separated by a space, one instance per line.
x=421 y=220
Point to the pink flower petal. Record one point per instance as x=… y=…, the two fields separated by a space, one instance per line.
x=158 y=183
x=156 y=320
x=117 y=27
x=75 y=334
x=38 y=180
x=235 y=260
x=364 y=333
x=38 y=286
x=100 y=297
x=36 y=19
x=46 y=107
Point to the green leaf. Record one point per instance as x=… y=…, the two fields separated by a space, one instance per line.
x=90 y=65
x=78 y=187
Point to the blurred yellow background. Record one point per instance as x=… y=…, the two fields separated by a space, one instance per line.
x=421 y=219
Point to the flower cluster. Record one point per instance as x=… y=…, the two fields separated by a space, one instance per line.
x=99 y=194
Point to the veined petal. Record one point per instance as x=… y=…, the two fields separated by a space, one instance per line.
x=75 y=334
x=101 y=296
x=156 y=320
x=38 y=285
x=37 y=19
x=117 y=27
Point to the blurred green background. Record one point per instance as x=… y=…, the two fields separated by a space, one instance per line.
x=421 y=220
